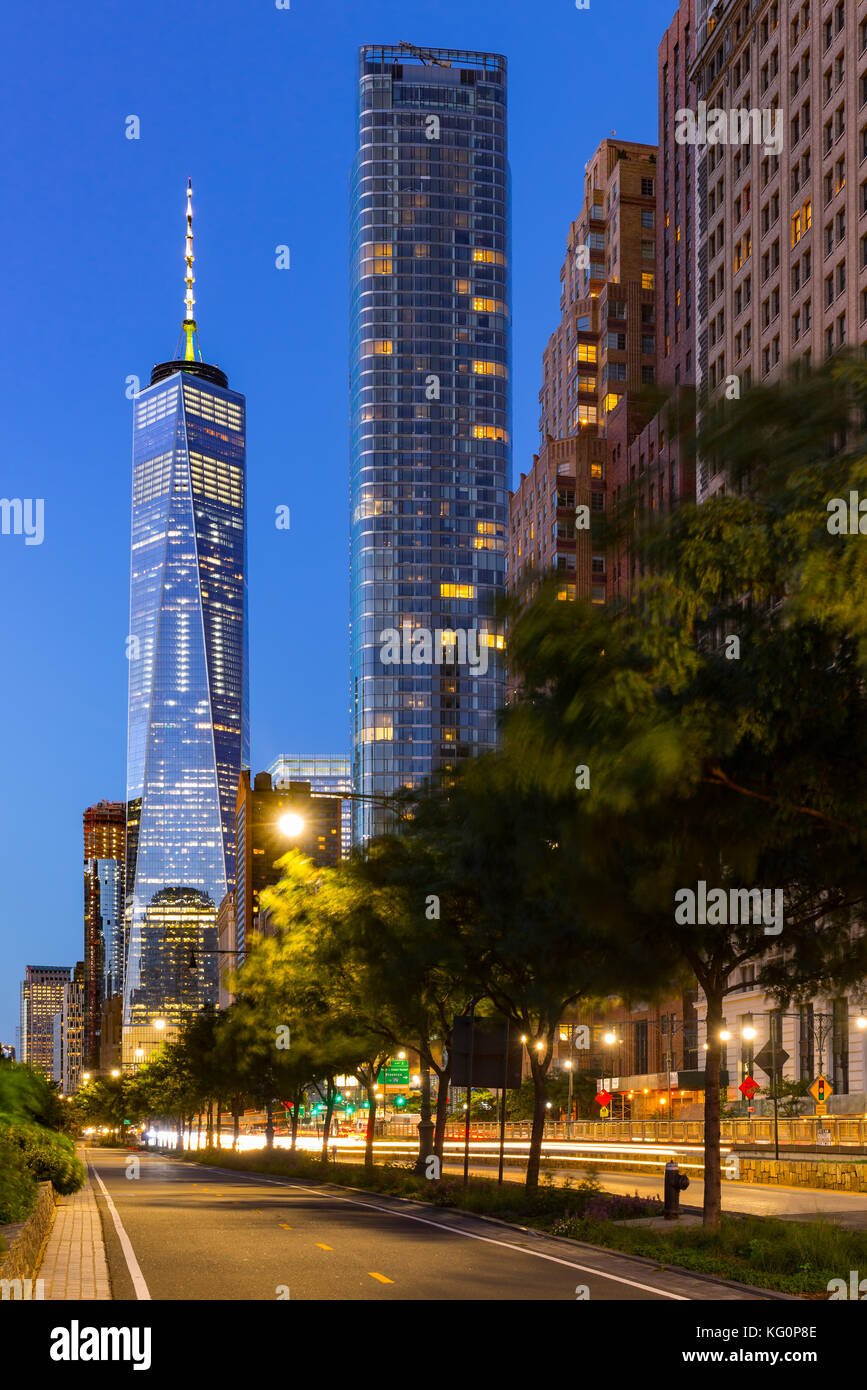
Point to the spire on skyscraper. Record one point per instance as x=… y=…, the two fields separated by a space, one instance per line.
x=189 y=325
x=190 y=359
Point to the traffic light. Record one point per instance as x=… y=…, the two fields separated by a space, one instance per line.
x=400 y=1101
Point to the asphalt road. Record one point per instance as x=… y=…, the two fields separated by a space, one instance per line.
x=183 y=1232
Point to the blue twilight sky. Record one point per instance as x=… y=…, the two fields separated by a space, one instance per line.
x=258 y=105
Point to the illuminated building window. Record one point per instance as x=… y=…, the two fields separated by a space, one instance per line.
x=376 y=258
x=490 y=432
x=647 y=280
x=457 y=591
x=611 y=402
x=586 y=352
x=489 y=306
x=463 y=287
x=379 y=347
x=485 y=257
x=489 y=369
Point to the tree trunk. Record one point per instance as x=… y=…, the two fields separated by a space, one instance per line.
x=219 y=1122
x=209 y=1125
x=330 y=1092
x=712 y=1180
x=296 y=1106
x=236 y=1123
x=371 y=1122
x=425 y=1127
x=179 y=1142
x=442 y=1112
x=539 y=1070
x=269 y=1123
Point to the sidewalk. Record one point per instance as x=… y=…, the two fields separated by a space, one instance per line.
x=73 y=1264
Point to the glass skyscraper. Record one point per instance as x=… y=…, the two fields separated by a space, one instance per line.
x=430 y=414
x=188 y=735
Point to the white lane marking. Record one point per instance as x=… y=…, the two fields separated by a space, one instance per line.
x=470 y=1235
x=141 y=1288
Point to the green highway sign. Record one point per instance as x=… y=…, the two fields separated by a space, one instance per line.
x=395 y=1073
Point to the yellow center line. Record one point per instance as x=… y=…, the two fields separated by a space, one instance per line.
x=324 y=1247
x=381 y=1277
x=283 y=1226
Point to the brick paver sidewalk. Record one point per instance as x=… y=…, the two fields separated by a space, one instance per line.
x=74 y=1264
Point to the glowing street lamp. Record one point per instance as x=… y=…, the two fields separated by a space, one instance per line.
x=115 y=1072
x=291 y=825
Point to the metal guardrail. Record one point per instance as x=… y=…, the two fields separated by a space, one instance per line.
x=800 y=1131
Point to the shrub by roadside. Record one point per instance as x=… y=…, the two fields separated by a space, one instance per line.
x=46 y=1155
x=17 y=1184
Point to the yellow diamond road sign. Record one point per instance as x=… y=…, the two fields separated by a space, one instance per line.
x=821 y=1089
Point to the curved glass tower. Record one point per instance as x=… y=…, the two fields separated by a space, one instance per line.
x=430 y=415
x=188 y=735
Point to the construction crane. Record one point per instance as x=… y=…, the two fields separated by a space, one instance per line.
x=425 y=55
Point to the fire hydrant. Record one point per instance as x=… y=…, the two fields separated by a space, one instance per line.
x=675 y=1183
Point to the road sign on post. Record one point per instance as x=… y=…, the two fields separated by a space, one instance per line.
x=820 y=1090
x=394 y=1073
x=494 y=1063
x=603 y=1098
x=768 y=1056
x=748 y=1087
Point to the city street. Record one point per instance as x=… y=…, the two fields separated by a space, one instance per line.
x=190 y=1232
x=752 y=1199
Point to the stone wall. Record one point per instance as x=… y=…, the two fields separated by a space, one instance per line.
x=24 y=1239
x=806 y=1172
